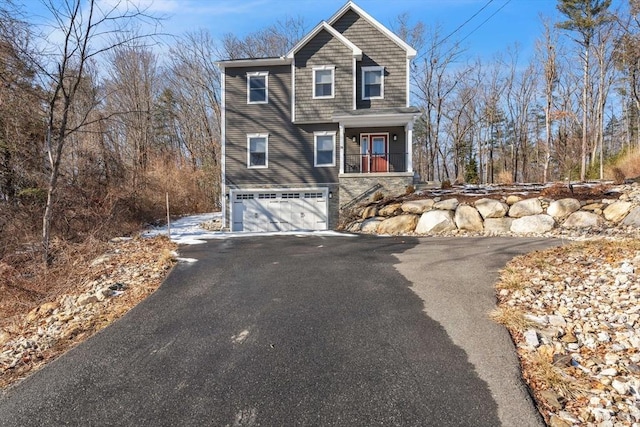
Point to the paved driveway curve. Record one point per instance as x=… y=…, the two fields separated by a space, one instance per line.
x=298 y=331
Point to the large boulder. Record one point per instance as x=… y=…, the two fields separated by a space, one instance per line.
x=633 y=219
x=490 y=208
x=513 y=199
x=390 y=210
x=562 y=208
x=497 y=225
x=400 y=224
x=446 y=205
x=525 y=207
x=369 y=212
x=582 y=219
x=418 y=206
x=434 y=222
x=370 y=225
x=540 y=223
x=468 y=218
x=616 y=211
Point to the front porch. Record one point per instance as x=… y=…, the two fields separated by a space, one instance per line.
x=376 y=141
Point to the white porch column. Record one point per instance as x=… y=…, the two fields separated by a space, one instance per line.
x=409 y=138
x=341 y=148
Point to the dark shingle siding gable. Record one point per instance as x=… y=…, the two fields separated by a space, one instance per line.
x=323 y=49
x=378 y=50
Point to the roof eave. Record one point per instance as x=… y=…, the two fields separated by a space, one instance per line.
x=356 y=51
x=253 y=62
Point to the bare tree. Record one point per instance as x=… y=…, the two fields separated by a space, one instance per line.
x=85 y=28
x=584 y=17
x=273 y=41
x=547 y=52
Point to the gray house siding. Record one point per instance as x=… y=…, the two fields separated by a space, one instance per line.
x=290 y=147
x=378 y=50
x=322 y=50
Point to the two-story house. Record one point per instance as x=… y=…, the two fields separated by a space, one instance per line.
x=318 y=129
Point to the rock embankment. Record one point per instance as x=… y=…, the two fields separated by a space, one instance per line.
x=575 y=320
x=115 y=282
x=508 y=215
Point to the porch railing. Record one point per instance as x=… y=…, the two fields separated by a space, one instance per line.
x=375 y=163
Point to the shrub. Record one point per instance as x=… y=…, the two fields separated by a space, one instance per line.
x=504 y=177
x=618 y=176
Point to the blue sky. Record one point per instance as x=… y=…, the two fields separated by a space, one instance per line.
x=499 y=24
x=514 y=20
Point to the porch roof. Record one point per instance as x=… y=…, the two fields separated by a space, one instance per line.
x=399 y=116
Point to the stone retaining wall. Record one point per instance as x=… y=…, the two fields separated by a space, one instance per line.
x=509 y=215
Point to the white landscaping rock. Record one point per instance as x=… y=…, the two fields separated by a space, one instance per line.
x=533 y=224
x=418 y=206
x=446 y=205
x=435 y=222
x=616 y=211
x=527 y=207
x=560 y=209
x=531 y=338
x=490 y=208
x=582 y=219
x=400 y=224
x=468 y=218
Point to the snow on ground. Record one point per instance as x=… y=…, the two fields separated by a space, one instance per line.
x=188 y=231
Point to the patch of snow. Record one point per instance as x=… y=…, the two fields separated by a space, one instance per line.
x=188 y=260
x=188 y=231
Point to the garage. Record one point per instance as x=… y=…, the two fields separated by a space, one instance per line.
x=279 y=210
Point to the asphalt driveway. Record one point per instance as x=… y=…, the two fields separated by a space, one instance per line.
x=299 y=331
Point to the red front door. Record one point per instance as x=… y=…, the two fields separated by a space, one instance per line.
x=374 y=149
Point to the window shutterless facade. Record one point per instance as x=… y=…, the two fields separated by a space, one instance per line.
x=324 y=149
x=372 y=82
x=257 y=150
x=323 y=82
x=258 y=87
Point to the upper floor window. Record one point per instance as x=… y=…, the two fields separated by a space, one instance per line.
x=372 y=82
x=258 y=87
x=257 y=150
x=325 y=148
x=323 y=82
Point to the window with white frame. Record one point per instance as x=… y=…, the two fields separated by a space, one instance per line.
x=372 y=82
x=323 y=82
x=257 y=150
x=325 y=149
x=258 y=87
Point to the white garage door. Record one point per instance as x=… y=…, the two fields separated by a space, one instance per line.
x=278 y=210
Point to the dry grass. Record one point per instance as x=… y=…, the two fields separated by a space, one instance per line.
x=628 y=166
x=512 y=318
x=139 y=263
x=511 y=278
x=544 y=375
x=504 y=178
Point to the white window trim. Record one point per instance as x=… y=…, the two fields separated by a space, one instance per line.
x=264 y=74
x=315 y=149
x=376 y=68
x=266 y=150
x=333 y=81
